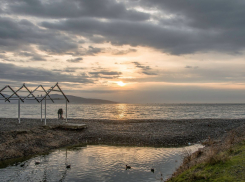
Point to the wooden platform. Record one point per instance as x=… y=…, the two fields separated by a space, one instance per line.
x=66 y=126
x=73 y=126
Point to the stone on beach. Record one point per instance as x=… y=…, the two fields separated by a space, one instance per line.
x=32 y=137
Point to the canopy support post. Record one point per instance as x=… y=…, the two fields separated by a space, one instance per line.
x=19 y=110
x=66 y=110
x=45 y=111
x=42 y=111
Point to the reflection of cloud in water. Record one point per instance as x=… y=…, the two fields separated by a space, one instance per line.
x=99 y=163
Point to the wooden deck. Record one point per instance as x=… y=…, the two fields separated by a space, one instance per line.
x=73 y=126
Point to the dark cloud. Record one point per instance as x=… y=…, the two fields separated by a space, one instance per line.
x=70 y=70
x=90 y=51
x=205 y=14
x=28 y=74
x=32 y=55
x=105 y=74
x=192 y=27
x=122 y=52
x=93 y=50
x=180 y=27
x=21 y=34
x=76 y=60
x=124 y=32
x=144 y=69
x=109 y=9
x=105 y=91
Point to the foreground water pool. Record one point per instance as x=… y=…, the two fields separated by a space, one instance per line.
x=100 y=163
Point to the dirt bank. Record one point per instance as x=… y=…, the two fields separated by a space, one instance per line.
x=30 y=137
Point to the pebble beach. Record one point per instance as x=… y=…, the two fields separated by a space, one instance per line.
x=32 y=137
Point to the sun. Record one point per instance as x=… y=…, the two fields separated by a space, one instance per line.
x=121 y=84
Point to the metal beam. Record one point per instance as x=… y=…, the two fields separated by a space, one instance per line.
x=15 y=93
x=62 y=92
x=47 y=94
x=6 y=99
x=30 y=92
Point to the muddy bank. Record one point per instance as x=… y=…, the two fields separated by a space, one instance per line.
x=31 y=137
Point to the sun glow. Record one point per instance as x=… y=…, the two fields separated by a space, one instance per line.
x=120 y=83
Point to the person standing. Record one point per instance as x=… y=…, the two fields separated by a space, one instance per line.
x=60 y=113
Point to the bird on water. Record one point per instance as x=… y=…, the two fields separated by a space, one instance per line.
x=128 y=167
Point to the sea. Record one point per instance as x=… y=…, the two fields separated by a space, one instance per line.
x=126 y=111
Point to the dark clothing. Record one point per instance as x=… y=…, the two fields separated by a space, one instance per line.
x=60 y=113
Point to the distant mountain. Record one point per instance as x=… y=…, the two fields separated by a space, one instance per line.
x=81 y=100
x=60 y=99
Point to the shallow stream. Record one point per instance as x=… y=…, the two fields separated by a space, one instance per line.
x=99 y=163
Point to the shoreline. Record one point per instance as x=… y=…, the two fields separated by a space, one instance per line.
x=30 y=137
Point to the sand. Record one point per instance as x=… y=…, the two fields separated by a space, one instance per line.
x=31 y=137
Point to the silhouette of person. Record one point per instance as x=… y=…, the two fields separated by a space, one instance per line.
x=60 y=113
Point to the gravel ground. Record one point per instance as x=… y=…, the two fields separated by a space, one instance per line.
x=31 y=137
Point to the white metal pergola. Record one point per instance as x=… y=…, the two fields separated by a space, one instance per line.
x=31 y=96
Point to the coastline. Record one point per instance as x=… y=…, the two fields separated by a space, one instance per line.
x=31 y=137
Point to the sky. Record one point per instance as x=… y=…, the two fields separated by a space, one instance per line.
x=134 y=51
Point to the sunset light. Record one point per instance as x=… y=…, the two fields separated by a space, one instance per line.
x=121 y=84
x=138 y=84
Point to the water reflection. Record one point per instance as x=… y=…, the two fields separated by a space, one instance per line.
x=120 y=111
x=99 y=163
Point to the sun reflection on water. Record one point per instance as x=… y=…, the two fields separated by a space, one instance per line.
x=121 y=111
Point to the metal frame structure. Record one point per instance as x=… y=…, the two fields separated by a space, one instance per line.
x=31 y=96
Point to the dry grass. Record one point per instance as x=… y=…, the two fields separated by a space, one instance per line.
x=187 y=154
x=215 y=155
x=212 y=154
x=208 y=142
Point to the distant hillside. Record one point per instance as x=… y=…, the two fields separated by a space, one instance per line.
x=81 y=100
x=72 y=99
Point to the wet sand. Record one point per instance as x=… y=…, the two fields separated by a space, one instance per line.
x=31 y=137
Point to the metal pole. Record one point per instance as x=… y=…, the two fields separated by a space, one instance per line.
x=66 y=110
x=45 y=110
x=19 y=110
x=41 y=111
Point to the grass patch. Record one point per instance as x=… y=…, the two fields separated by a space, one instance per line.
x=219 y=165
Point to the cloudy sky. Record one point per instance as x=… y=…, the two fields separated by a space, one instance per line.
x=137 y=51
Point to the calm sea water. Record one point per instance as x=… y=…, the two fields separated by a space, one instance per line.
x=128 y=111
x=99 y=163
